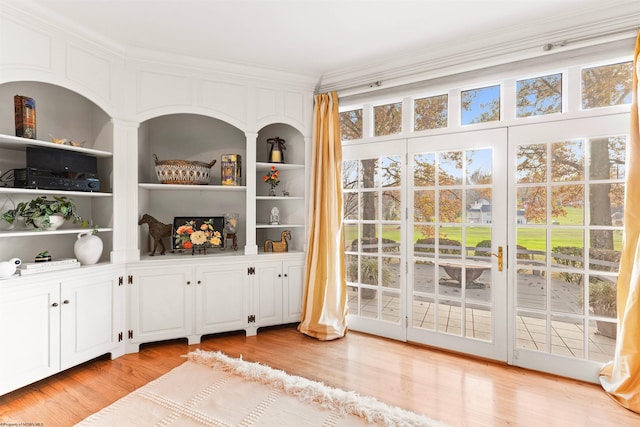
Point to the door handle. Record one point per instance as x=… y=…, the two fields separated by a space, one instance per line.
x=499 y=256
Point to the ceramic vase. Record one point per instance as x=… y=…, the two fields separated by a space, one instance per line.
x=88 y=248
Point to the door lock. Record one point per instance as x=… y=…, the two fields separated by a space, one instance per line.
x=499 y=256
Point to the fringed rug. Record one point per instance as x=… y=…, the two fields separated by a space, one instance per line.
x=212 y=389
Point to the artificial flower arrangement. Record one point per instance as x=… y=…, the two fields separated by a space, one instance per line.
x=191 y=236
x=272 y=178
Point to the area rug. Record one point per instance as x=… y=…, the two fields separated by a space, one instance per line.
x=212 y=389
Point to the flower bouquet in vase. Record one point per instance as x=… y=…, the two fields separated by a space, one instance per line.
x=273 y=179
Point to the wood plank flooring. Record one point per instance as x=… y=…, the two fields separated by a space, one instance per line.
x=455 y=389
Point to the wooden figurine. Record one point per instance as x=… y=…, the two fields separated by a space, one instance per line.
x=278 y=246
x=157 y=231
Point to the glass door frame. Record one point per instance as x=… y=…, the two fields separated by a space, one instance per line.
x=564 y=130
x=378 y=325
x=496 y=347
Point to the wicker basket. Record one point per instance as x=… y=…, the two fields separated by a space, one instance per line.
x=182 y=171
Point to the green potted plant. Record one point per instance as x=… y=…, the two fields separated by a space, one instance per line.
x=40 y=211
x=603 y=300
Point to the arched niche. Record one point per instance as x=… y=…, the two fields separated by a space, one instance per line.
x=60 y=112
x=186 y=136
x=192 y=137
x=294 y=152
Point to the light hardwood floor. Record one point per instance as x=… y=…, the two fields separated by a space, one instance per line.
x=455 y=389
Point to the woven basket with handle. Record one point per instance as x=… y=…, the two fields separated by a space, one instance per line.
x=182 y=171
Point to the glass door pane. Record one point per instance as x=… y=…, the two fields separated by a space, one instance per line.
x=457 y=293
x=568 y=204
x=373 y=179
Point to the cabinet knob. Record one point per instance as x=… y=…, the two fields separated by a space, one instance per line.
x=65 y=301
x=279 y=275
x=199 y=282
x=55 y=304
x=188 y=282
x=285 y=275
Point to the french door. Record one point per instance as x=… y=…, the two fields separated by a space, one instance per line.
x=374 y=177
x=566 y=221
x=457 y=292
x=425 y=240
x=499 y=243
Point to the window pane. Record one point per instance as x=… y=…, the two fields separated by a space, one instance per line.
x=424 y=168
x=351 y=124
x=481 y=105
x=424 y=206
x=532 y=163
x=607 y=158
x=369 y=177
x=431 y=112
x=387 y=119
x=567 y=161
x=607 y=85
x=450 y=168
x=539 y=96
x=479 y=166
x=531 y=205
x=349 y=174
x=567 y=205
x=391 y=171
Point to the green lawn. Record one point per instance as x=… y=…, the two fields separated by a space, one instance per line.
x=530 y=238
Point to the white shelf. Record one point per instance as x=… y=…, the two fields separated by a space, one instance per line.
x=149 y=186
x=263 y=167
x=279 y=198
x=18 y=143
x=11 y=190
x=30 y=233
x=264 y=225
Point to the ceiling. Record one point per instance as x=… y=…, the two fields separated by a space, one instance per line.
x=316 y=38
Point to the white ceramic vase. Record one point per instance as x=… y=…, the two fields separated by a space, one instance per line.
x=88 y=248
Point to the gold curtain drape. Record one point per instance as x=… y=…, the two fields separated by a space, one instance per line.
x=324 y=309
x=621 y=377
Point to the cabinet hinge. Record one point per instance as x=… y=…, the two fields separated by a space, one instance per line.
x=120 y=336
x=251 y=270
x=251 y=318
x=130 y=334
x=130 y=280
x=120 y=281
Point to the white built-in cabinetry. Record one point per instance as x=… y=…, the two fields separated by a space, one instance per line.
x=177 y=298
x=57 y=322
x=124 y=110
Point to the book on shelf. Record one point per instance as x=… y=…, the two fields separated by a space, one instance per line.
x=25 y=111
x=48 y=264
x=25 y=270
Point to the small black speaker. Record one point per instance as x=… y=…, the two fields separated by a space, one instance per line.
x=50 y=159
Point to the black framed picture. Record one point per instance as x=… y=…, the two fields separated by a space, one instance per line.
x=198 y=233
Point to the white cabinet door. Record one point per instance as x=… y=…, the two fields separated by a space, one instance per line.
x=221 y=301
x=266 y=292
x=293 y=285
x=161 y=304
x=29 y=333
x=87 y=313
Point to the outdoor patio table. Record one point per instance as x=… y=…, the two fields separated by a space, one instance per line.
x=473 y=270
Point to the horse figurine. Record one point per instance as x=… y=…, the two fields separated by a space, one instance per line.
x=278 y=246
x=157 y=230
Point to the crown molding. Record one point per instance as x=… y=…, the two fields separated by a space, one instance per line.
x=42 y=18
